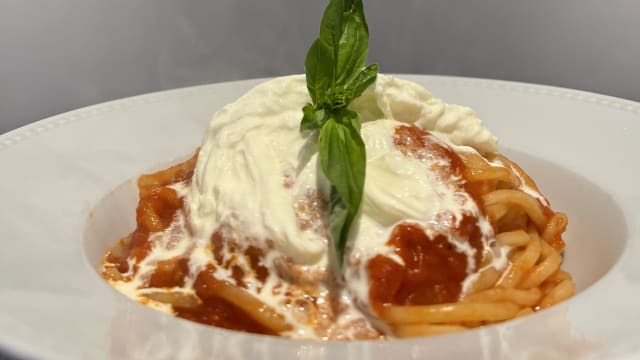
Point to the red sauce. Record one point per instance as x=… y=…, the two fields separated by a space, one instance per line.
x=158 y=204
x=156 y=209
x=420 y=144
x=216 y=311
x=433 y=269
x=253 y=254
x=170 y=273
x=219 y=312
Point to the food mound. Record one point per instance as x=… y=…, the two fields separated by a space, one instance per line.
x=450 y=234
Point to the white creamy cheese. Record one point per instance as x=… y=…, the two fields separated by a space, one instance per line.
x=249 y=154
x=405 y=101
x=253 y=148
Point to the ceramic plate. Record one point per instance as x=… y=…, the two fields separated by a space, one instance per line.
x=67 y=192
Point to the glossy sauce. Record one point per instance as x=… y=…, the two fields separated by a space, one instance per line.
x=433 y=269
x=216 y=311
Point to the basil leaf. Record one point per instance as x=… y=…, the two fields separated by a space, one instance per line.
x=353 y=44
x=321 y=58
x=312 y=119
x=319 y=71
x=335 y=76
x=343 y=161
x=339 y=52
x=332 y=25
x=340 y=220
x=361 y=82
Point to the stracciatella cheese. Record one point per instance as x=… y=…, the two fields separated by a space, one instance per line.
x=408 y=102
x=255 y=165
x=249 y=171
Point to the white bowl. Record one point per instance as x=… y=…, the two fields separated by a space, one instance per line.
x=68 y=193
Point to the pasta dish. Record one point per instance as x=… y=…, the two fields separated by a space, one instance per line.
x=450 y=234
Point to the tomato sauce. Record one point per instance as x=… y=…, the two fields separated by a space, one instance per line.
x=221 y=313
x=420 y=144
x=433 y=269
x=217 y=311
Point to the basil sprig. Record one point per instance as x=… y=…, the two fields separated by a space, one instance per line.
x=336 y=74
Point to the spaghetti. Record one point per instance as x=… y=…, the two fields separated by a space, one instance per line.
x=523 y=222
x=533 y=279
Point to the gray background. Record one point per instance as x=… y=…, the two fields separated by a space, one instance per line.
x=58 y=55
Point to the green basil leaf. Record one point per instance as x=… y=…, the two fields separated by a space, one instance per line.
x=312 y=118
x=343 y=161
x=342 y=155
x=353 y=44
x=320 y=64
x=361 y=82
x=319 y=71
x=332 y=24
x=340 y=220
x=338 y=53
